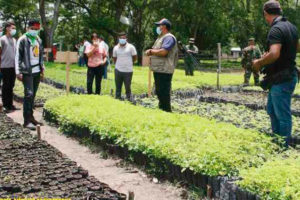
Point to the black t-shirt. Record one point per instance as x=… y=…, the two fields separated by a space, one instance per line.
x=284 y=33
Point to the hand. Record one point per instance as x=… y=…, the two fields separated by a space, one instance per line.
x=42 y=76
x=148 y=52
x=95 y=44
x=264 y=54
x=256 y=65
x=20 y=77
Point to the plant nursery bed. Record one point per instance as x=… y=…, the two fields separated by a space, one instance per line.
x=170 y=143
x=255 y=101
x=31 y=168
x=239 y=115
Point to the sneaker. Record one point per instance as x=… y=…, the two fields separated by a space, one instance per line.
x=30 y=126
x=7 y=110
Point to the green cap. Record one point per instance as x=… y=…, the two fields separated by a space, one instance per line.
x=251 y=39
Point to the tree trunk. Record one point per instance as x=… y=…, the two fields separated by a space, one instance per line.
x=49 y=31
x=119 y=6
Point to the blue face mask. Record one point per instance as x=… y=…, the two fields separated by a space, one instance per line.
x=122 y=41
x=13 y=32
x=33 y=33
x=1 y=34
x=158 y=30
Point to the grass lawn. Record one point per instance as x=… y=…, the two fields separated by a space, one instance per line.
x=57 y=72
x=140 y=78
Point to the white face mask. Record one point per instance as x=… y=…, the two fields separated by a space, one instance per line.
x=13 y=32
x=122 y=41
x=1 y=34
x=33 y=33
x=158 y=30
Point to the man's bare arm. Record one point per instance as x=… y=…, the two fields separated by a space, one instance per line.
x=134 y=58
x=269 y=58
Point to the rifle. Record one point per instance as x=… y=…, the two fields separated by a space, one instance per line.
x=187 y=53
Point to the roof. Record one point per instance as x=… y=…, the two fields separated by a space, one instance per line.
x=235 y=49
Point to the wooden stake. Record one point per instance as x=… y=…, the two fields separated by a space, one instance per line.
x=219 y=65
x=38 y=130
x=68 y=72
x=209 y=192
x=131 y=195
x=149 y=82
x=47 y=56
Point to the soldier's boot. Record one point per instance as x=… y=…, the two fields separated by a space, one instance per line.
x=246 y=79
x=191 y=71
x=186 y=70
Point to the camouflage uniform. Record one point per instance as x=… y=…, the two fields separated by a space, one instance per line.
x=189 y=64
x=249 y=54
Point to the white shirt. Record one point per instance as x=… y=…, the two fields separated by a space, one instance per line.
x=35 y=57
x=104 y=46
x=124 y=56
x=86 y=44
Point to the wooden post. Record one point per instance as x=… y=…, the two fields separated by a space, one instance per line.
x=47 y=56
x=38 y=129
x=149 y=82
x=219 y=65
x=68 y=72
x=130 y=195
x=209 y=192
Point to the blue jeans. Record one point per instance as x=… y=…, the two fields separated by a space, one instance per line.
x=279 y=108
x=105 y=70
x=81 y=61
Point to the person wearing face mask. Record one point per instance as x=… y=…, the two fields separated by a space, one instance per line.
x=124 y=55
x=96 y=62
x=30 y=68
x=279 y=66
x=7 y=52
x=250 y=53
x=193 y=50
x=164 y=59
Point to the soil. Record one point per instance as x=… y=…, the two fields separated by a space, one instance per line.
x=33 y=168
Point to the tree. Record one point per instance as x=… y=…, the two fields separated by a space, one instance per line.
x=49 y=26
x=19 y=11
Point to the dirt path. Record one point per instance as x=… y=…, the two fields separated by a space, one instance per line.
x=106 y=170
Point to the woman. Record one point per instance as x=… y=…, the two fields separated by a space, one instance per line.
x=96 y=62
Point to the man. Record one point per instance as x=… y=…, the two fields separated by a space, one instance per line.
x=105 y=46
x=192 y=50
x=124 y=55
x=7 y=51
x=164 y=58
x=250 y=53
x=30 y=69
x=279 y=65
